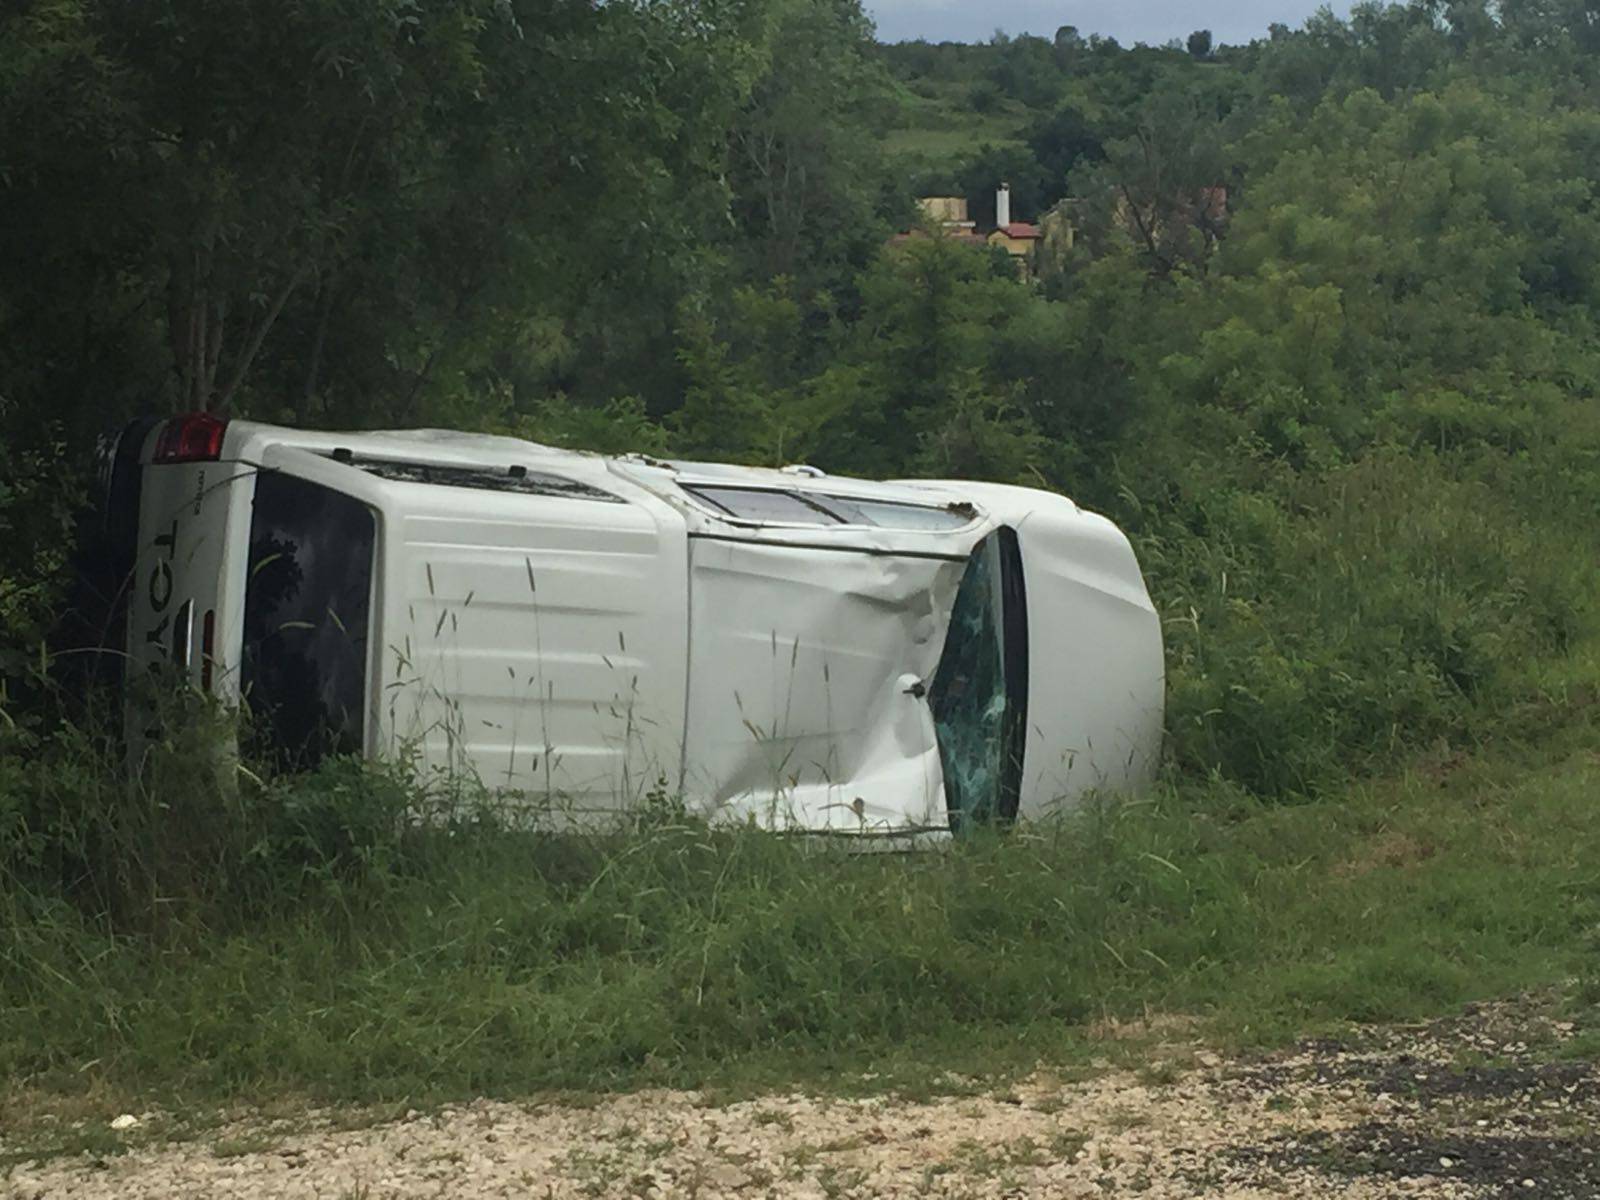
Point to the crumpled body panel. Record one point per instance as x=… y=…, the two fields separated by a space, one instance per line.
x=806 y=675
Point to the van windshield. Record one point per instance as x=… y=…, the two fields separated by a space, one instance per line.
x=307 y=601
x=979 y=695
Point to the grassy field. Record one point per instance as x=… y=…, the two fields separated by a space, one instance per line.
x=939 y=128
x=284 y=951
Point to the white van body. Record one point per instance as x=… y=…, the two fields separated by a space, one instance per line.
x=577 y=631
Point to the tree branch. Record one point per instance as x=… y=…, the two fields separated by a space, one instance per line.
x=257 y=337
x=313 y=368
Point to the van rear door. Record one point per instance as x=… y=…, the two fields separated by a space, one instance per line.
x=194 y=509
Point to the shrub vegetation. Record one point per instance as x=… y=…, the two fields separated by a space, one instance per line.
x=308 y=935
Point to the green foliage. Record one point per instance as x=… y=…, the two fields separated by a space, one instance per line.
x=1324 y=342
x=806 y=175
x=1325 y=345
x=1394 y=602
x=175 y=836
x=35 y=527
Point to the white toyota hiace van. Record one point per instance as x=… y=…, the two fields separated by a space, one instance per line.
x=810 y=652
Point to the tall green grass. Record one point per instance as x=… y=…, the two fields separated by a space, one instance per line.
x=304 y=935
x=1323 y=626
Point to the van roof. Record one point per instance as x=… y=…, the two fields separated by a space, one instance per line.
x=452 y=447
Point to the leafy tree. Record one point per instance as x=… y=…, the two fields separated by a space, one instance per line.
x=1163 y=188
x=1025 y=68
x=1059 y=143
x=805 y=171
x=330 y=212
x=1069 y=46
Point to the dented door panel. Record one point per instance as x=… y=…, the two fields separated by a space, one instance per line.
x=807 y=682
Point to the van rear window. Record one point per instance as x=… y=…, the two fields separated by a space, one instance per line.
x=306 y=610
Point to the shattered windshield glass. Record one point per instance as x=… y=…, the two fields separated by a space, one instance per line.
x=979 y=692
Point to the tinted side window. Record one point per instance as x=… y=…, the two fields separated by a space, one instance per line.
x=509 y=479
x=979 y=695
x=304 y=664
x=758 y=504
x=814 y=508
x=890 y=514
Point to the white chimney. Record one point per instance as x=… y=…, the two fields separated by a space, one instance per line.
x=1002 y=206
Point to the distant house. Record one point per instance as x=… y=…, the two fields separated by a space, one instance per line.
x=1019 y=239
x=947 y=216
x=950 y=212
x=943 y=216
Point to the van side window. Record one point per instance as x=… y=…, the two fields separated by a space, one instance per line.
x=814 y=508
x=888 y=514
x=306 y=609
x=485 y=479
x=979 y=695
x=761 y=504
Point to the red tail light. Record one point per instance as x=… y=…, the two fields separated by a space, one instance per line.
x=196 y=437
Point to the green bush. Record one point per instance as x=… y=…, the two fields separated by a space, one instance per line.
x=175 y=835
x=1316 y=630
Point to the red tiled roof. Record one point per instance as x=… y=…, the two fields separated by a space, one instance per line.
x=1020 y=230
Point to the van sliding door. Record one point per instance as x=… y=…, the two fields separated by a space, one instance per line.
x=979 y=695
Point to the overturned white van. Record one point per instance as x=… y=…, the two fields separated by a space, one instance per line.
x=808 y=652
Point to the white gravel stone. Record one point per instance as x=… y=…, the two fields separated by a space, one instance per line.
x=1206 y=1133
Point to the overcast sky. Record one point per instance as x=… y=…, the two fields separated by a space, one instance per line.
x=1129 y=21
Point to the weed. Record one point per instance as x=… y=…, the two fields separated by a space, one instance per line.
x=1159 y=1074
x=838 y=1181
x=341 y=951
x=88 y=1140
x=1066 y=1145
x=239 y=1147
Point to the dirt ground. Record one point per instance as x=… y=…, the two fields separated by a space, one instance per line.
x=1481 y=1106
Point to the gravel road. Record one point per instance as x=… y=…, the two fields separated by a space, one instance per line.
x=1482 y=1106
